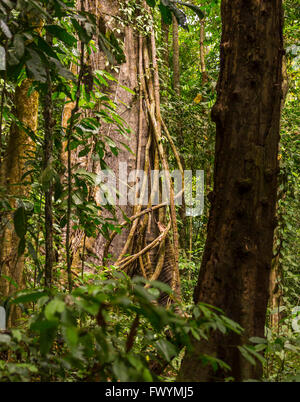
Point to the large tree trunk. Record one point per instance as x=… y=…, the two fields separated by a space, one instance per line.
x=19 y=148
x=235 y=270
x=141 y=111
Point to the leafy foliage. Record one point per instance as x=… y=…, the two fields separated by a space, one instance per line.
x=92 y=335
x=113 y=328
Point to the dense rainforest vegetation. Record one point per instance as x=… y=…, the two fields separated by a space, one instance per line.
x=149 y=190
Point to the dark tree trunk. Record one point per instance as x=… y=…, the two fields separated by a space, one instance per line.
x=165 y=42
x=235 y=270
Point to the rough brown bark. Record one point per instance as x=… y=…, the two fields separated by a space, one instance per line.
x=143 y=117
x=165 y=42
x=13 y=168
x=140 y=73
x=235 y=269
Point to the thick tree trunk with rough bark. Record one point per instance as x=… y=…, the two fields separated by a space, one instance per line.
x=19 y=147
x=235 y=270
x=141 y=111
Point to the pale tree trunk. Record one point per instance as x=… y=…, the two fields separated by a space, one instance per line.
x=19 y=148
x=202 y=52
x=147 y=240
x=176 y=65
x=235 y=270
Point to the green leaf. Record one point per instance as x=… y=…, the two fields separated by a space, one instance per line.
x=197 y=10
x=10 y=280
x=161 y=286
x=256 y=339
x=44 y=46
x=82 y=33
x=61 y=34
x=71 y=336
x=5 y=29
x=2 y=58
x=20 y=222
x=16 y=333
x=105 y=47
x=166 y=349
x=246 y=355
x=151 y=3
x=84 y=151
x=253 y=352
x=32 y=252
x=21 y=246
x=142 y=293
x=46 y=177
x=39 y=7
x=46 y=339
x=4 y=338
x=19 y=46
x=215 y=362
x=178 y=14
x=53 y=307
x=27 y=297
x=58 y=189
x=291 y=347
x=61 y=70
x=8 y=3
x=35 y=67
x=147 y=375
x=180 y=17
x=127 y=89
x=166 y=14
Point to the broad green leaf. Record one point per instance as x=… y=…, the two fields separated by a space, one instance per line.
x=19 y=46
x=20 y=222
x=5 y=29
x=197 y=10
x=246 y=355
x=71 y=336
x=5 y=338
x=46 y=339
x=151 y=3
x=166 y=14
x=53 y=307
x=166 y=349
x=27 y=297
x=35 y=67
x=256 y=339
x=61 y=34
x=21 y=246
